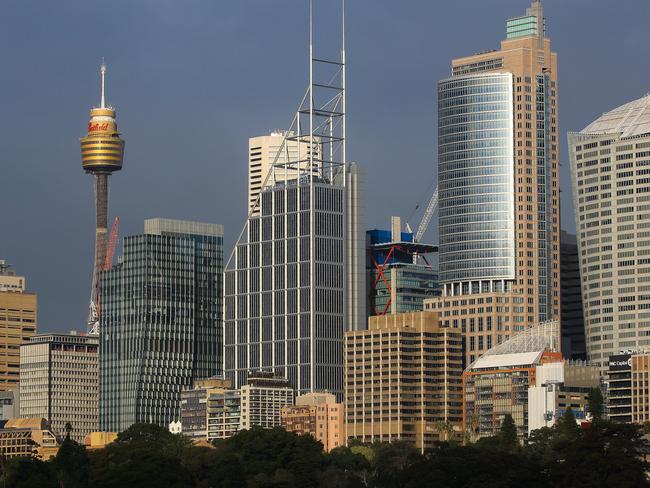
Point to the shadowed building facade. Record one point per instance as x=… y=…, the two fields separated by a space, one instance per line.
x=161 y=321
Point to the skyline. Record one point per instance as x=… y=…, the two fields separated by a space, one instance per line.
x=176 y=131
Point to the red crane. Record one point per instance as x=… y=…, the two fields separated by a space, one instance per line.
x=108 y=262
x=112 y=242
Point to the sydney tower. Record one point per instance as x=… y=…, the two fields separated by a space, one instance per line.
x=102 y=152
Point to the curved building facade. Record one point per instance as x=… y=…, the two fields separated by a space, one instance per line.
x=610 y=176
x=476 y=181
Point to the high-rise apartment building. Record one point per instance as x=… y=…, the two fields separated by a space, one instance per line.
x=262 y=399
x=572 y=318
x=194 y=406
x=610 y=174
x=18 y=319
x=319 y=415
x=399 y=275
x=499 y=219
x=161 y=321
x=274 y=149
x=403 y=378
x=59 y=381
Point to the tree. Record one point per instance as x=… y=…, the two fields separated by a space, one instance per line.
x=567 y=427
x=596 y=404
x=27 y=472
x=507 y=435
x=275 y=456
x=473 y=423
x=71 y=464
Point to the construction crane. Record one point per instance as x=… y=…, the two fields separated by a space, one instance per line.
x=426 y=220
x=426 y=217
x=93 y=325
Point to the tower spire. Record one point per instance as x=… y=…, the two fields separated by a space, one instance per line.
x=102 y=69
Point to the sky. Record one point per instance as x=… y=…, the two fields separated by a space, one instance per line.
x=192 y=80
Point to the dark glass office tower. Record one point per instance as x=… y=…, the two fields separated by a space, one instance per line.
x=161 y=324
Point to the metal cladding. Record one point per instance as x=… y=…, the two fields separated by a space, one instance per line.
x=102 y=150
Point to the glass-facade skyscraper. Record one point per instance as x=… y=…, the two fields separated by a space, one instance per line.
x=498 y=165
x=285 y=303
x=161 y=322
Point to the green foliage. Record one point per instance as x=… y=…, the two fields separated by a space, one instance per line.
x=71 y=464
x=601 y=454
x=27 y=472
x=507 y=436
x=596 y=404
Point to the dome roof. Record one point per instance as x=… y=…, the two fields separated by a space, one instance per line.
x=631 y=119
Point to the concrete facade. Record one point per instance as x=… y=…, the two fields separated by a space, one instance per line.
x=18 y=322
x=610 y=176
x=59 y=381
x=319 y=415
x=402 y=379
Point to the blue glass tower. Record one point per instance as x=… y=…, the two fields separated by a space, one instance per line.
x=161 y=325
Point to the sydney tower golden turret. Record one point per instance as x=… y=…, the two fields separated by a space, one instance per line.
x=102 y=152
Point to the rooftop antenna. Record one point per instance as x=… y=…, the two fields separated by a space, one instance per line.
x=102 y=69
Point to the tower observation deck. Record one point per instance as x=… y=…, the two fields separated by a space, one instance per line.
x=102 y=152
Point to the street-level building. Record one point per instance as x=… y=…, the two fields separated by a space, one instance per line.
x=499 y=195
x=262 y=399
x=59 y=381
x=224 y=413
x=497 y=383
x=28 y=438
x=18 y=321
x=610 y=175
x=640 y=388
x=619 y=387
x=560 y=386
x=403 y=380
x=160 y=318
x=194 y=406
x=319 y=415
x=628 y=387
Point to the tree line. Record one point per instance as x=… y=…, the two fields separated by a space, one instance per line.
x=598 y=454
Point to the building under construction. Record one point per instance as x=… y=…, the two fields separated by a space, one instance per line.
x=102 y=152
x=398 y=271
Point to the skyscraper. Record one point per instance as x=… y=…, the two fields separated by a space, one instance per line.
x=266 y=151
x=572 y=319
x=102 y=153
x=610 y=174
x=59 y=382
x=18 y=320
x=499 y=220
x=161 y=321
x=294 y=282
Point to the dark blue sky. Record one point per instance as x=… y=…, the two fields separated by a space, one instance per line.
x=192 y=80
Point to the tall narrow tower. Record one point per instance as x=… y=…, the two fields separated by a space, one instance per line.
x=102 y=151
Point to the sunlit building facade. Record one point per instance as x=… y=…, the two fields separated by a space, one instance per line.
x=499 y=220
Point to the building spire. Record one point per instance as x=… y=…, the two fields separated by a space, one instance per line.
x=102 y=69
